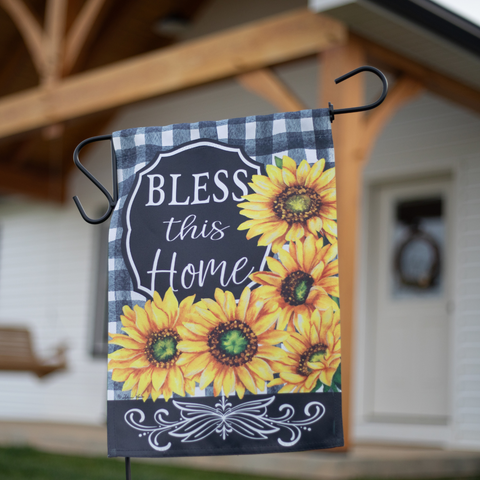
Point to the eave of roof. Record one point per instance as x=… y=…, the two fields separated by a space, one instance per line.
x=434 y=17
x=417 y=29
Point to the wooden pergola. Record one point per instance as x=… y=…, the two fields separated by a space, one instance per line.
x=65 y=95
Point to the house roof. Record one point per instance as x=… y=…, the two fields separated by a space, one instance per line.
x=417 y=29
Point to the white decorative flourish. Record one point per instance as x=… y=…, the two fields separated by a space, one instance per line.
x=248 y=419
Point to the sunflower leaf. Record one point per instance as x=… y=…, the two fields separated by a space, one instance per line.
x=278 y=162
x=336 y=300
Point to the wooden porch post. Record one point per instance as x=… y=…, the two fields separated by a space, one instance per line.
x=347 y=131
x=354 y=136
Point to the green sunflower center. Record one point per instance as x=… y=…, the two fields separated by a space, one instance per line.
x=297 y=204
x=161 y=348
x=233 y=343
x=314 y=354
x=296 y=287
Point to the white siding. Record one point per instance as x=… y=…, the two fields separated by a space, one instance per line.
x=46 y=274
x=467 y=306
x=430 y=137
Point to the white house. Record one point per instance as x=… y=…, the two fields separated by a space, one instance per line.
x=416 y=331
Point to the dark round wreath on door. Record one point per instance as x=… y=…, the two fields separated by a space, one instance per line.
x=417 y=259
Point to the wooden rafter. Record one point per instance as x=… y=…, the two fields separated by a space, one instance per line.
x=249 y=47
x=52 y=51
x=30 y=30
x=268 y=86
x=432 y=80
x=55 y=17
x=403 y=91
x=79 y=32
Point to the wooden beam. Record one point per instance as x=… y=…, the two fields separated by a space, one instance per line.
x=79 y=32
x=347 y=136
x=249 y=47
x=30 y=30
x=268 y=86
x=55 y=17
x=433 y=81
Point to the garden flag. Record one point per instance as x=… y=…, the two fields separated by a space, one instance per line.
x=224 y=316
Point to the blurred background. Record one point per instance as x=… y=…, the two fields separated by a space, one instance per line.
x=408 y=193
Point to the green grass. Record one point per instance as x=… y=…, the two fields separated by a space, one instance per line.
x=22 y=463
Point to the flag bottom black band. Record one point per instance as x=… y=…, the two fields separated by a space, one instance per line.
x=201 y=426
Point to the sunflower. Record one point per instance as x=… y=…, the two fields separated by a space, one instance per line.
x=302 y=280
x=290 y=203
x=232 y=345
x=148 y=361
x=313 y=353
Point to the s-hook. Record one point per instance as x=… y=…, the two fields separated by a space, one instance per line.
x=365 y=68
x=112 y=201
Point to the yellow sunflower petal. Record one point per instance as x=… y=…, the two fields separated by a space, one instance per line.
x=246 y=378
x=243 y=303
x=298 y=343
x=132 y=380
x=210 y=372
x=287 y=389
x=265 y=278
x=125 y=341
x=296 y=232
x=263 y=185
x=189 y=346
x=144 y=380
x=175 y=380
x=273 y=337
x=289 y=178
x=270 y=353
x=218 y=381
x=134 y=333
x=289 y=164
x=294 y=378
x=274 y=231
x=315 y=172
x=264 y=322
x=198 y=365
x=275 y=382
x=302 y=172
x=277 y=267
x=329 y=196
x=158 y=377
x=284 y=317
x=330 y=226
x=314 y=225
x=261 y=368
x=275 y=175
x=143 y=323
x=121 y=374
x=124 y=353
x=240 y=389
x=230 y=305
x=229 y=381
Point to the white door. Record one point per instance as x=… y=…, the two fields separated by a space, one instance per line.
x=409 y=291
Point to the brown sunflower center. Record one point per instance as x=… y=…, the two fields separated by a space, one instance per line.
x=314 y=354
x=161 y=348
x=296 y=287
x=233 y=343
x=297 y=204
